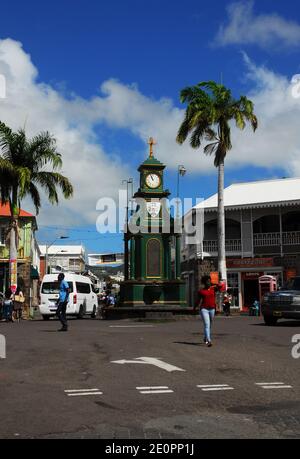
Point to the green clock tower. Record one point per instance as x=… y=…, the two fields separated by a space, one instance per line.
x=152 y=246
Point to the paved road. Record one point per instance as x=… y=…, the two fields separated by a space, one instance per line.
x=227 y=391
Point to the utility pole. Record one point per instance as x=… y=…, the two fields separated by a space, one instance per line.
x=47 y=248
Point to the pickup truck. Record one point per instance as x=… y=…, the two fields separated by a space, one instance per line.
x=282 y=304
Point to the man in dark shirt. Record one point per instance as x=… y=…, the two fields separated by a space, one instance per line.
x=64 y=291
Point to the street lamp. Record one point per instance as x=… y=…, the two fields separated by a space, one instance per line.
x=128 y=182
x=181 y=171
x=47 y=248
x=126 y=256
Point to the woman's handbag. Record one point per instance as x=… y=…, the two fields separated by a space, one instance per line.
x=19 y=298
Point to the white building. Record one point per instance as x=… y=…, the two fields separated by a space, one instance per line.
x=67 y=258
x=262 y=236
x=104 y=260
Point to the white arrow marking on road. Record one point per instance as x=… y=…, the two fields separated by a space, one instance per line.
x=151 y=361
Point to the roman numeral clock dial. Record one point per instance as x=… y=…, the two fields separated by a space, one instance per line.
x=153 y=180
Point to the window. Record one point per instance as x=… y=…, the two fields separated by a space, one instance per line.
x=83 y=287
x=51 y=288
x=109 y=258
x=95 y=289
x=2 y=235
x=233 y=288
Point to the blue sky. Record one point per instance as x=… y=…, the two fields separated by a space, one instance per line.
x=75 y=58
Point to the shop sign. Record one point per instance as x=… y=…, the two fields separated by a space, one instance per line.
x=249 y=262
x=214 y=277
x=251 y=275
x=13 y=275
x=292 y=272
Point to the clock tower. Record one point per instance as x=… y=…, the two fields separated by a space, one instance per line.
x=152 y=246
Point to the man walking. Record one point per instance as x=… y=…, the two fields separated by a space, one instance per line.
x=64 y=291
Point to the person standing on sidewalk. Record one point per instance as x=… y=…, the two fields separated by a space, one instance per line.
x=8 y=307
x=64 y=292
x=207 y=304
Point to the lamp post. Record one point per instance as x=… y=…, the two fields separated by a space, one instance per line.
x=126 y=257
x=47 y=248
x=181 y=171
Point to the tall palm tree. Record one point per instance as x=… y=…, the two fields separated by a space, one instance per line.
x=210 y=110
x=26 y=166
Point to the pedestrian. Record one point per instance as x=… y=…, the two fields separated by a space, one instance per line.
x=8 y=306
x=64 y=292
x=18 y=302
x=111 y=300
x=207 y=304
x=227 y=303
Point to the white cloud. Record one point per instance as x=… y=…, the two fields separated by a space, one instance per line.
x=92 y=171
x=264 y=30
x=276 y=143
x=96 y=173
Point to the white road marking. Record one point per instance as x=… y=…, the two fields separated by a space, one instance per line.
x=274 y=385
x=267 y=383
x=217 y=388
x=214 y=387
x=277 y=387
x=82 y=392
x=154 y=390
x=150 y=361
x=131 y=326
x=152 y=387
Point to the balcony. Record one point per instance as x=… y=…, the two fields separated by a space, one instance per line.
x=232 y=246
x=289 y=238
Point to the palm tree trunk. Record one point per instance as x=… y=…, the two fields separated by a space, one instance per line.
x=221 y=225
x=13 y=242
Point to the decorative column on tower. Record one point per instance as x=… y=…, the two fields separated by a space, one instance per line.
x=150 y=284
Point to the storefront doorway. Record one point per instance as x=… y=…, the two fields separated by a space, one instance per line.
x=250 y=287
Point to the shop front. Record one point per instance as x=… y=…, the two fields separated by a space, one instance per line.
x=243 y=278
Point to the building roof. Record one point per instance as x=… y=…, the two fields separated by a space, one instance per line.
x=5 y=211
x=263 y=193
x=62 y=250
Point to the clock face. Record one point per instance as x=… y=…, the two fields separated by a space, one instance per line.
x=153 y=180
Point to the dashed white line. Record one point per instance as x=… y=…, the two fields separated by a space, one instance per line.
x=274 y=385
x=214 y=387
x=152 y=387
x=154 y=390
x=131 y=326
x=268 y=383
x=82 y=392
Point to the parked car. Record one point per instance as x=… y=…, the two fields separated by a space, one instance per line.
x=282 y=304
x=82 y=299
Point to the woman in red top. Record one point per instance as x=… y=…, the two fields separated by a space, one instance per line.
x=207 y=304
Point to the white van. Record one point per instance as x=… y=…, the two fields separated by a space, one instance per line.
x=82 y=300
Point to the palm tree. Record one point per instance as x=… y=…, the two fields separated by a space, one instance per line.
x=27 y=165
x=209 y=112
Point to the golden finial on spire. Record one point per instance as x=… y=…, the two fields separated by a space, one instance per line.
x=151 y=142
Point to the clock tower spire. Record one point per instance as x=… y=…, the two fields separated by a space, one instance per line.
x=151 y=142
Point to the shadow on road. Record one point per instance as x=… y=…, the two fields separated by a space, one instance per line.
x=190 y=344
x=286 y=323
